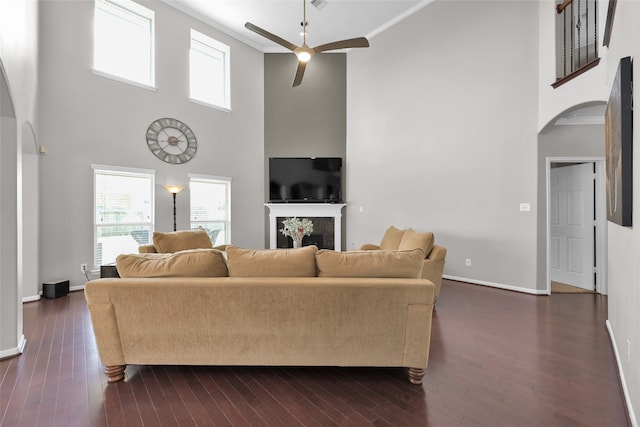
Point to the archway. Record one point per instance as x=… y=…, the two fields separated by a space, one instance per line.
x=575 y=136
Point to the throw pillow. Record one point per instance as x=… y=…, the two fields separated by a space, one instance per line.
x=391 y=239
x=403 y=264
x=414 y=240
x=300 y=262
x=189 y=263
x=181 y=240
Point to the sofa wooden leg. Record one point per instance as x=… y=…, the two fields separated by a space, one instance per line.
x=416 y=375
x=114 y=373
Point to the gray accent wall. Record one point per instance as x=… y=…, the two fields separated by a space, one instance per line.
x=306 y=121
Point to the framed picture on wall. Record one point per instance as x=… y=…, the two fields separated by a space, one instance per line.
x=619 y=146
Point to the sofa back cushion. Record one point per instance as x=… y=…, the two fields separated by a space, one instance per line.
x=414 y=240
x=181 y=240
x=402 y=264
x=189 y=263
x=299 y=262
x=391 y=239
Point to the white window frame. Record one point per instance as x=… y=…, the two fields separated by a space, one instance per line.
x=123 y=171
x=138 y=11
x=227 y=221
x=203 y=44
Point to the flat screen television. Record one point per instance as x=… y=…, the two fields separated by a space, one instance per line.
x=305 y=180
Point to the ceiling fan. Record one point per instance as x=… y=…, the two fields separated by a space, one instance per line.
x=304 y=52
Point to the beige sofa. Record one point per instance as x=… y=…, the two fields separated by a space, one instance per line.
x=281 y=307
x=433 y=266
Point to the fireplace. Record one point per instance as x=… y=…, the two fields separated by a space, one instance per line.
x=326 y=218
x=323 y=235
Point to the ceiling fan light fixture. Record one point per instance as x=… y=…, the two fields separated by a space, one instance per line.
x=304 y=52
x=303 y=56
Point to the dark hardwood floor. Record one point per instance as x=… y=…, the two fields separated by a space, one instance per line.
x=498 y=358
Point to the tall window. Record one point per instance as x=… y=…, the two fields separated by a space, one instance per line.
x=123 y=211
x=123 y=41
x=209 y=71
x=211 y=206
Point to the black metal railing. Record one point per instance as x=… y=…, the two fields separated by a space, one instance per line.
x=577 y=41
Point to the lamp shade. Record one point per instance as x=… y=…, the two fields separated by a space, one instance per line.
x=174 y=189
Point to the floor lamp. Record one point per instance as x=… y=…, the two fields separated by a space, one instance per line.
x=174 y=189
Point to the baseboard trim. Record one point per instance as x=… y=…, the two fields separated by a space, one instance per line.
x=4 y=354
x=496 y=285
x=39 y=296
x=31 y=299
x=623 y=382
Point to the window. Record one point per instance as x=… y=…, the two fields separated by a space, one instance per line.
x=209 y=71
x=211 y=206
x=123 y=41
x=123 y=211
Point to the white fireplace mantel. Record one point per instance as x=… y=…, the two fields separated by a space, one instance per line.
x=299 y=210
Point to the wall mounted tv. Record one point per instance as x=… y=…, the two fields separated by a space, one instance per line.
x=305 y=180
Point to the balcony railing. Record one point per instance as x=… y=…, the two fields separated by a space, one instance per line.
x=577 y=38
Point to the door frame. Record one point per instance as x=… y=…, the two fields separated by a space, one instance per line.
x=600 y=222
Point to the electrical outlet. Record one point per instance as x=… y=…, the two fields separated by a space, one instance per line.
x=83 y=268
x=467 y=262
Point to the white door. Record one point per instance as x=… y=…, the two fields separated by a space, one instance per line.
x=572 y=225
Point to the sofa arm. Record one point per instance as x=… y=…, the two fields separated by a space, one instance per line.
x=433 y=268
x=370 y=247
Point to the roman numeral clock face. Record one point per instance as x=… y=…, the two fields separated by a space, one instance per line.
x=171 y=141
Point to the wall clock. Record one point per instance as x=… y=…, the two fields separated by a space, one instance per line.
x=171 y=141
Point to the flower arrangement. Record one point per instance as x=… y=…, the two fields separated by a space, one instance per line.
x=297 y=229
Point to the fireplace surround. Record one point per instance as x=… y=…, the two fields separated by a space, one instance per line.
x=326 y=218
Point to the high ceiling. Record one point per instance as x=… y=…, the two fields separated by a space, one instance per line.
x=337 y=20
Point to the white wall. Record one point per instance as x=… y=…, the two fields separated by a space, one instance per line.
x=28 y=216
x=18 y=65
x=444 y=138
x=85 y=119
x=624 y=242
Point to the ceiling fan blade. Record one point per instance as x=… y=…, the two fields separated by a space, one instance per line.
x=343 y=44
x=299 y=73
x=270 y=36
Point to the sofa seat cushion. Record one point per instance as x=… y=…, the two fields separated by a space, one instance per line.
x=414 y=240
x=300 y=262
x=188 y=263
x=181 y=240
x=400 y=264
